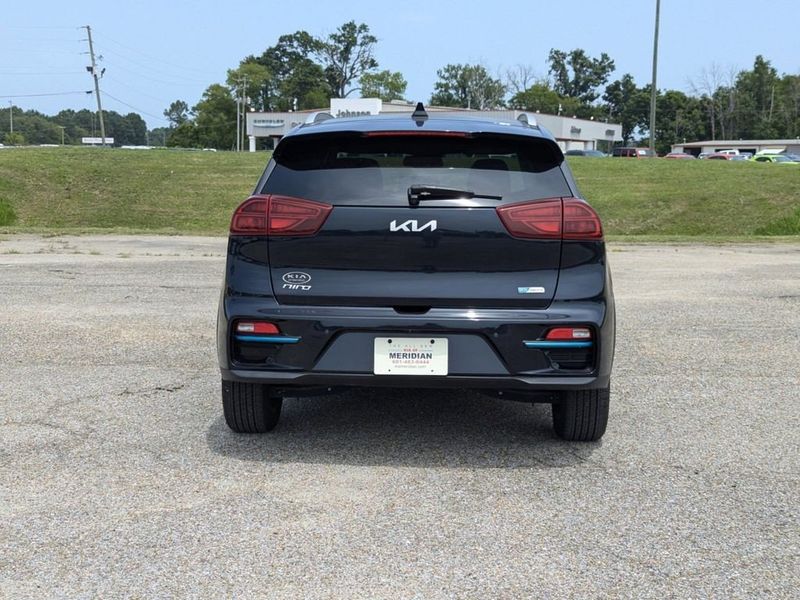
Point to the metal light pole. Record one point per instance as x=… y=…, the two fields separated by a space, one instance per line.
x=653 y=91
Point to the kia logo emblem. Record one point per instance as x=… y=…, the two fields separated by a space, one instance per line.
x=296 y=277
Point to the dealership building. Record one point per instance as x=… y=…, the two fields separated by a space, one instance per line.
x=570 y=132
x=751 y=146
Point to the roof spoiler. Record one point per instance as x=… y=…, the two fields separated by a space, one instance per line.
x=318 y=117
x=528 y=120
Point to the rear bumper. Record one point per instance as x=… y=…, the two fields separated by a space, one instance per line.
x=331 y=379
x=487 y=345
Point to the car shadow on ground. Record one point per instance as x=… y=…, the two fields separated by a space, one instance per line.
x=415 y=428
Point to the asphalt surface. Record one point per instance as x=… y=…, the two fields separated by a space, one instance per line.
x=119 y=478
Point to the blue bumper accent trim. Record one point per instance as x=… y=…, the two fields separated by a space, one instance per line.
x=268 y=339
x=548 y=344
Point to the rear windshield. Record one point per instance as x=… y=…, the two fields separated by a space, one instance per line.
x=380 y=169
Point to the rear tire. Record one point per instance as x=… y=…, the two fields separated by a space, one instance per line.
x=581 y=415
x=249 y=408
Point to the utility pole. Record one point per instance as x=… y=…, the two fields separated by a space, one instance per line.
x=11 y=115
x=93 y=71
x=62 y=128
x=244 y=114
x=238 y=117
x=654 y=90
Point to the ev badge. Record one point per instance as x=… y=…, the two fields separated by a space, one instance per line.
x=296 y=280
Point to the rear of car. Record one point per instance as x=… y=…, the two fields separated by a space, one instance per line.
x=427 y=253
x=633 y=153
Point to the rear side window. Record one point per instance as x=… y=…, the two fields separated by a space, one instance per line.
x=379 y=169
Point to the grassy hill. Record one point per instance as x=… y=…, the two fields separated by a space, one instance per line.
x=82 y=189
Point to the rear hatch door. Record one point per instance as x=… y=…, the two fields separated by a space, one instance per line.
x=451 y=250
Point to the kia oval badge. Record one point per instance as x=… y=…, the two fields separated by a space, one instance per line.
x=296 y=277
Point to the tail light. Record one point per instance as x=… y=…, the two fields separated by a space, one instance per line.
x=569 y=334
x=557 y=218
x=256 y=327
x=279 y=216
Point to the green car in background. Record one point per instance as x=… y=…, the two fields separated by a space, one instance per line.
x=774 y=158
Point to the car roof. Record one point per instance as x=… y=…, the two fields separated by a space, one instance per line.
x=433 y=123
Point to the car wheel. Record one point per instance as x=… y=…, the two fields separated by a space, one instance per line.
x=581 y=415
x=249 y=408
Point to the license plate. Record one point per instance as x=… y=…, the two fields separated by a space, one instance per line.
x=410 y=356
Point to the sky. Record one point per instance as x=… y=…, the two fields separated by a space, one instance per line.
x=157 y=52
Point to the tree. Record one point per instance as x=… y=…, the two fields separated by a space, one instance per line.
x=680 y=117
x=628 y=104
x=252 y=79
x=788 y=105
x=296 y=82
x=756 y=111
x=386 y=85
x=185 y=135
x=715 y=87
x=158 y=136
x=521 y=78
x=576 y=75
x=14 y=139
x=346 y=55
x=467 y=86
x=540 y=97
x=216 y=118
x=177 y=113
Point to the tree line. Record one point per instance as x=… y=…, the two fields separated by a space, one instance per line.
x=33 y=127
x=301 y=71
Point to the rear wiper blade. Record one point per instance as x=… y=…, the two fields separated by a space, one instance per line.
x=418 y=193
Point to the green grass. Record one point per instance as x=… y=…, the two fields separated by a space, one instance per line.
x=130 y=190
x=91 y=189
x=662 y=198
x=7 y=214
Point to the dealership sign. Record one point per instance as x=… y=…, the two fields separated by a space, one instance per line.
x=355 y=107
x=96 y=141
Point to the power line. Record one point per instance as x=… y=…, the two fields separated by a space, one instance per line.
x=51 y=73
x=168 y=73
x=151 y=57
x=138 y=110
x=153 y=79
x=39 y=95
x=138 y=92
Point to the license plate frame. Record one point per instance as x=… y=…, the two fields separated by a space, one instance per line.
x=422 y=356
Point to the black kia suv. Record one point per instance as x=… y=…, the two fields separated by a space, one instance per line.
x=417 y=252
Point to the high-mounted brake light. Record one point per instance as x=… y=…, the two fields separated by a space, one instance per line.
x=451 y=134
x=569 y=333
x=256 y=327
x=553 y=218
x=279 y=216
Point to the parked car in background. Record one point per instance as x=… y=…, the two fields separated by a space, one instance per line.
x=791 y=156
x=729 y=152
x=774 y=158
x=680 y=156
x=593 y=153
x=740 y=157
x=719 y=156
x=704 y=155
x=633 y=153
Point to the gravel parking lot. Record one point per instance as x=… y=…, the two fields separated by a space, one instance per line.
x=118 y=476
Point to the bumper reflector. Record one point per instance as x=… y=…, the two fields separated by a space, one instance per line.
x=268 y=339
x=546 y=344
